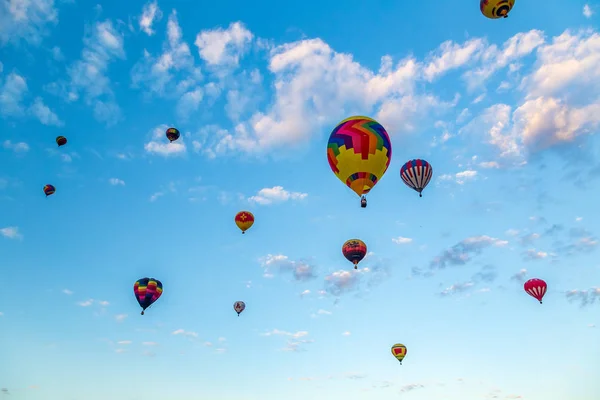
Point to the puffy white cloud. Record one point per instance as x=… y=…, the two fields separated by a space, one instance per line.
x=12 y=93
x=587 y=11
x=26 y=20
x=44 y=114
x=150 y=14
x=19 y=147
x=159 y=144
x=116 y=182
x=224 y=47
x=276 y=194
x=11 y=232
x=279 y=263
x=402 y=240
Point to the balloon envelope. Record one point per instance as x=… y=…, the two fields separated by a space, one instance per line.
x=61 y=141
x=49 y=189
x=244 y=220
x=147 y=291
x=239 y=306
x=354 y=250
x=172 y=134
x=495 y=9
x=416 y=174
x=359 y=152
x=536 y=288
x=399 y=351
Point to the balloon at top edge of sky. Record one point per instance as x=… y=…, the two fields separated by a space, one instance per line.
x=495 y=9
x=359 y=152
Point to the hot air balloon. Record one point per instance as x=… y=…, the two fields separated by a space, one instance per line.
x=359 y=152
x=244 y=220
x=399 y=351
x=416 y=174
x=49 y=190
x=61 y=140
x=495 y=9
x=239 y=306
x=354 y=250
x=172 y=134
x=147 y=291
x=536 y=288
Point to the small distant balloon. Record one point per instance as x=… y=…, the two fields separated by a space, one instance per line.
x=61 y=140
x=399 y=351
x=416 y=174
x=495 y=9
x=354 y=250
x=536 y=288
x=244 y=220
x=239 y=306
x=147 y=291
x=49 y=190
x=172 y=134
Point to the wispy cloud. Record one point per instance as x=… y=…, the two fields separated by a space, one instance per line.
x=584 y=297
x=11 y=232
x=279 y=263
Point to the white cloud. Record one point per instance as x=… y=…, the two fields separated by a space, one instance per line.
x=149 y=344
x=124 y=342
x=11 y=232
x=185 y=333
x=150 y=14
x=301 y=271
x=347 y=333
x=157 y=74
x=587 y=11
x=224 y=47
x=120 y=317
x=44 y=114
x=276 y=194
x=460 y=177
x=159 y=144
x=67 y=292
x=402 y=240
x=12 y=93
x=19 y=147
x=26 y=20
x=1 y=314
x=86 y=303
x=116 y=182
x=103 y=44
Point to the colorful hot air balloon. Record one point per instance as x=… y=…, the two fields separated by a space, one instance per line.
x=49 y=190
x=239 y=306
x=536 y=288
x=172 y=134
x=495 y=9
x=244 y=220
x=399 y=351
x=359 y=152
x=61 y=140
x=416 y=174
x=354 y=250
x=147 y=291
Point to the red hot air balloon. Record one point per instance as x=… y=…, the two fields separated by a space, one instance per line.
x=536 y=288
x=354 y=250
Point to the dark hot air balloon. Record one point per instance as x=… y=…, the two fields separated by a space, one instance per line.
x=61 y=140
x=354 y=250
x=147 y=291
x=172 y=134
x=49 y=190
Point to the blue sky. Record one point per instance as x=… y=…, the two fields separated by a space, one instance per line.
x=504 y=110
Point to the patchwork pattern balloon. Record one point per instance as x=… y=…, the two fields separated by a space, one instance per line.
x=359 y=152
x=49 y=190
x=147 y=291
x=239 y=306
x=244 y=220
x=399 y=351
x=536 y=288
x=354 y=250
x=416 y=174
x=495 y=9
x=61 y=140
x=172 y=134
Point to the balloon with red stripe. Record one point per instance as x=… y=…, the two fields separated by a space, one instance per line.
x=416 y=174
x=536 y=288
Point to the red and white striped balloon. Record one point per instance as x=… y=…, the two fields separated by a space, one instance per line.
x=536 y=288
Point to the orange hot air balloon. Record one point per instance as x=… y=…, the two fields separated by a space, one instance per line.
x=354 y=250
x=49 y=190
x=244 y=220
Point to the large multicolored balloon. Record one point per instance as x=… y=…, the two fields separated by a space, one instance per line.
x=147 y=291
x=49 y=190
x=61 y=140
x=359 y=152
x=399 y=351
x=416 y=174
x=354 y=250
x=244 y=220
x=495 y=9
x=239 y=306
x=536 y=288
x=172 y=134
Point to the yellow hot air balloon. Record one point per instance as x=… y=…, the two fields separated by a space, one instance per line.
x=244 y=220
x=399 y=351
x=359 y=152
x=495 y=9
